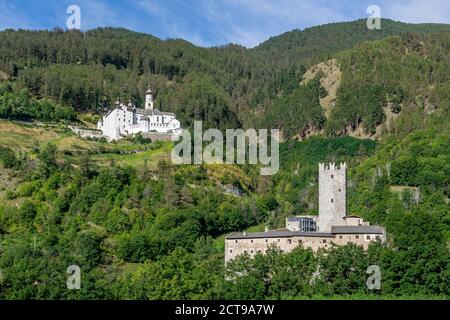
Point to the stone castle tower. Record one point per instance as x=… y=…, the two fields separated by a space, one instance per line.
x=332 y=196
x=149 y=99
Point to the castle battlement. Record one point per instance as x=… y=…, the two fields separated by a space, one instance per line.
x=332 y=166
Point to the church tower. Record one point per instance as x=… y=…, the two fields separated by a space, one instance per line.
x=149 y=99
x=332 y=196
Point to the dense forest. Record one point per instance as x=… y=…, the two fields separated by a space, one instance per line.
x=151 y=233
x=142 y=228
x=248 y=87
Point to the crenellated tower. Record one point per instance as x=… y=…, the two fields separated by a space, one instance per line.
x=332 y=196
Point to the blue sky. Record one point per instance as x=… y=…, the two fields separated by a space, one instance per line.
x=213 y=22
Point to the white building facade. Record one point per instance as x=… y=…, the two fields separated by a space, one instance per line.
x=125 y=120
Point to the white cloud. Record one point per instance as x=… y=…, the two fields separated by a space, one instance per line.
x=11 y=17
x=247 y=22
x=214 y=22
x=417 y=11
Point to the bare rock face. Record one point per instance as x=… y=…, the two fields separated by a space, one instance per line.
x=331 y=76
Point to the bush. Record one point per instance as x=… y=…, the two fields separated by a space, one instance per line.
x=8 y=158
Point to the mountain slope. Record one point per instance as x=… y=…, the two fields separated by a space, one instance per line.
x=250 y=88
x=300 y=46
x=393 y=85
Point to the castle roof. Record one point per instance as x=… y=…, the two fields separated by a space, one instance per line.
x=357 y=229
x=277 y=234
x=285 y=233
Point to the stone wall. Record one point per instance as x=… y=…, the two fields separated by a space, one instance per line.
x=157 y=136
x=332 y=196
x=84 y=133
x=252 y=246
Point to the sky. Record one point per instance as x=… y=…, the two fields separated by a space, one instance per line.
x=213 y=22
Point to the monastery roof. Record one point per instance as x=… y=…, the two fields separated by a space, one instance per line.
x=153 y=112
x=157 y=112
x=143 y=111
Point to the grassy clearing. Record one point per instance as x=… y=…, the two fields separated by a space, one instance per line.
x=137 y=159
x=20 y=137
x=24 y=137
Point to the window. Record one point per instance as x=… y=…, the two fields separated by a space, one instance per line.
x=231 y=251
x=332 y=176
x=368 y=237
x=340 y=237
x=324 y=240
x=267 y=240
x=300 y=241
x=289 y=241
x=357 y=237
x=235 y=241
x=278 y=240
x=259 y=251
x=339 y=189
x=245 y=251
x=332 y=200
x=251 y=241
x=251 y=251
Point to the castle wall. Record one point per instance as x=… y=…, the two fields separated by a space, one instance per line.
x=252 y=246
x=359 y=239
x=332 y=196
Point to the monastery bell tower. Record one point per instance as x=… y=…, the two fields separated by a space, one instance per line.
x=149 y=99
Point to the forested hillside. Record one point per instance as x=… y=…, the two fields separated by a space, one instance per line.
x=394 y=85
x=231 y=86
x=142 y=228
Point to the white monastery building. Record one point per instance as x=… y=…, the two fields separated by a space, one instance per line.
x=125 y=120
x=331 y=227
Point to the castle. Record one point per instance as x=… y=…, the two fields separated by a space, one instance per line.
x=331 y=226
x=126 y=120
